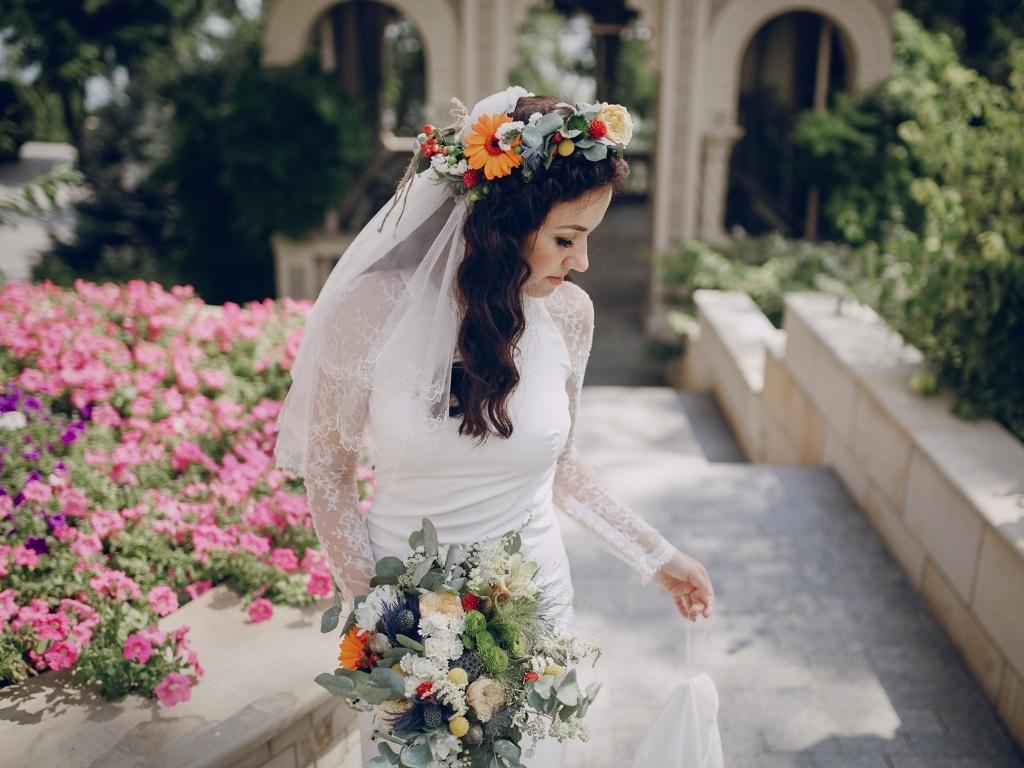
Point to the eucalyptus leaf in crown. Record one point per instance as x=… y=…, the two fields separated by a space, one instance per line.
x=454 y=651
x=496 y=145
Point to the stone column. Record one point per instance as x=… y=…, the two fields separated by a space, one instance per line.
x=718 y=146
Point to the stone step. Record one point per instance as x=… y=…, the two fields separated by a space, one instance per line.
x=820 y=649
x=642 y=420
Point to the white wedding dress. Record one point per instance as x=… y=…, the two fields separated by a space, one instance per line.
x=472 y=491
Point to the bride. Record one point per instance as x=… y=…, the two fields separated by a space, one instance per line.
x=451 y=341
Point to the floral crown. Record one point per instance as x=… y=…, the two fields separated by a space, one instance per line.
x=496 y=145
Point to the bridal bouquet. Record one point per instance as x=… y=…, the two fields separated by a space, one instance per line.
x=454 y=651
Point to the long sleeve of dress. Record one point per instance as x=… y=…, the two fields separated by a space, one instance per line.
x=340 y=402
x=577 y=490
x=332 y=491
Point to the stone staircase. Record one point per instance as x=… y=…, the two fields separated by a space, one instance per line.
x=822 y=654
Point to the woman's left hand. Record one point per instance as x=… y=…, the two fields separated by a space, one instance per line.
x=688 y=582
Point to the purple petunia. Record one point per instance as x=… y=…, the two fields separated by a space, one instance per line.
x=38 y=543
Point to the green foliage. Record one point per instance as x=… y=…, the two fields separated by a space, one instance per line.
x=15 y=118
x=257 y=151
x=926 y=174
x=765 y=267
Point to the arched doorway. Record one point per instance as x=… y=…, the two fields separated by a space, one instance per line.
x=795 y=62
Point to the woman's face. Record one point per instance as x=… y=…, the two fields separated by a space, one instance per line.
x=560 y=243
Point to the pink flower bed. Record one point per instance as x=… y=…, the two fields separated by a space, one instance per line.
x=136 y=472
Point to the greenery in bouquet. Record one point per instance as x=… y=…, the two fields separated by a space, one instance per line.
x=457 y=652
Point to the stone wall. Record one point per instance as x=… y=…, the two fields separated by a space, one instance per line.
x=946 y=495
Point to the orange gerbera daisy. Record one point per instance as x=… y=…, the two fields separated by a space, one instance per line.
x=482 y=150
x=353 y=648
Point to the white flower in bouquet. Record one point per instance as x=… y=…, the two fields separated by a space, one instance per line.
x=485 y=695
x=368 y=612
x=444 y=747
x=517 y=581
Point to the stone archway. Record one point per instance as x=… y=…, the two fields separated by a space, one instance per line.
x=288 y=23
x=864 y=34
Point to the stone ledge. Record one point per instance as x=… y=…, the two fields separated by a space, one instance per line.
x=257 y=704
x=944 y=494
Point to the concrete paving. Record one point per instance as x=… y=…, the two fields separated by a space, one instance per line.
x=822 y=654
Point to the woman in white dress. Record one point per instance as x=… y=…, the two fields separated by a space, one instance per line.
x=460 y=347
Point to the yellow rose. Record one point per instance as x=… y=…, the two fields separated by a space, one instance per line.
x=618 y=122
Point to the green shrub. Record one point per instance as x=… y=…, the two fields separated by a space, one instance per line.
x=926 y=179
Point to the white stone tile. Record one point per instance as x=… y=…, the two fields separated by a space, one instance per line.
x=977 y=648
x=999 y=594
x=949 y=527
x=902 y=543
x=882 y=448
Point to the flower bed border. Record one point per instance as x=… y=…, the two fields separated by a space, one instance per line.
x=944 y=494
x=257 y=705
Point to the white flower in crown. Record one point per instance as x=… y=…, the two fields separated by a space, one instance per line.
x=507 y=132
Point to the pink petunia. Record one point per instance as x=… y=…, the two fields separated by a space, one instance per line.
x=61 y=656
x=257 y=545
x=153 y=634
x=87 y=545
x=260 y=610
x=25 y=557
x=137 y=648
x=320 y=584
x=196 y=588
x=53 y=627
x=173 y=689
x=163 y=600
x=284 y=558
x=37 y=491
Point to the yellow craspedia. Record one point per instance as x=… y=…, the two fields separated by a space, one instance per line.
x=458 y=676
x=458 y=726
x=565 y=147
x=554 y=669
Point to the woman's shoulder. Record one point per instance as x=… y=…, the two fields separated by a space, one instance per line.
x=571 y=305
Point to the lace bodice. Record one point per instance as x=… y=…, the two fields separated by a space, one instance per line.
x=343 y=528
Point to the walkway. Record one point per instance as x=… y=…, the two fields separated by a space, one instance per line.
x=821 y=652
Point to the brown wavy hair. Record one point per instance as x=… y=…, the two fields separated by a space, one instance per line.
x=494 y=269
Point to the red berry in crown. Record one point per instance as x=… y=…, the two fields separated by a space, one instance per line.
x=531 y=675
x=556 y=137
x=597 y=129
x=470 y=602
x=428 y=128
x=471 y=178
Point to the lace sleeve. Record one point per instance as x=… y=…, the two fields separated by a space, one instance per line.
x=332 y=491
x=339 y=403
x=577 y=490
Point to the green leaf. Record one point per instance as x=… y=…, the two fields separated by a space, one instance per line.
x=329 y=619
x=506 y=749
x=338 y=686
x=408 y=642
x=421 y=570
x=429 y=538
x=568 y=690
x=390 y=567
x=417 y=756
x=596 y=151
x=388 y=677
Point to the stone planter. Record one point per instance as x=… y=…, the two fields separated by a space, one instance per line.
x=257 y=704
x=946 y=495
